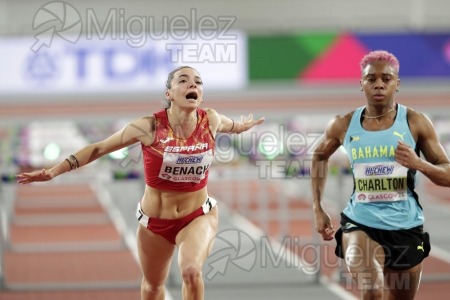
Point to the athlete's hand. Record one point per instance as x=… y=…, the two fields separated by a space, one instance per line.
x=323 y=225
x=249 y=122
x=42 y=175
x=406 y=156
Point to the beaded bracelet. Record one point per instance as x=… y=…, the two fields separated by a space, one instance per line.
x=73 y=162
x=70 y=164
x=76 y=161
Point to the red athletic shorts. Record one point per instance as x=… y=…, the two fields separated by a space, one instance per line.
x=169 y=228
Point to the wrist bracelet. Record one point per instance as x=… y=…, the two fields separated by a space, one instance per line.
x=232 y=126
x=76 y=161
x=70 y=164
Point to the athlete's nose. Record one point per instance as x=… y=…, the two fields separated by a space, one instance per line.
x=192 y=84
x=379 y=84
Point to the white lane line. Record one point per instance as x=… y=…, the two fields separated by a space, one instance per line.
x=256 y=233
x=119 y=222
x=440 y=253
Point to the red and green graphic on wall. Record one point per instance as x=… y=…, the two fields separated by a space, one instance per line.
x=335 y=57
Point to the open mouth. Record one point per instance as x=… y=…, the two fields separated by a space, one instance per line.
x=192 y=95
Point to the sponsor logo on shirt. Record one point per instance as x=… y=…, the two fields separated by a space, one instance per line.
x=167 y=139
x=189 y=160
x=400 y=135
x=177 y=149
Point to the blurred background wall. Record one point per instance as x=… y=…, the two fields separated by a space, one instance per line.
x=91 y=61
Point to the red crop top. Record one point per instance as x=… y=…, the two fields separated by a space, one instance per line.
x=177 y=164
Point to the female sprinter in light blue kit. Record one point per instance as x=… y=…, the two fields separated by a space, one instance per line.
x=381 y=235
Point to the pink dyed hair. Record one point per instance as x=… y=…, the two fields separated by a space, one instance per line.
x=380 y=55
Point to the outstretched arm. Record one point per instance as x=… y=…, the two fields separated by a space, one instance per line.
x=138 y=130
x=437 y=165
x=330 y=142
x=232 y=126
x=222 y=123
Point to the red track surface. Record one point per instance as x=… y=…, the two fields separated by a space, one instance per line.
x=254 y=104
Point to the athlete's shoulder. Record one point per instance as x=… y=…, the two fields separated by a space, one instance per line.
x=209 y=111
x=160 y=114
x=212 y=114
x=342 y=121
x=415 y=117
x=144 y=122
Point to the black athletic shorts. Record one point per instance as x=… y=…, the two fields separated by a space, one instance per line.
x=403 y=249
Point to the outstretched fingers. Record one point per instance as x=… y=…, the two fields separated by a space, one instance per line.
x=249 y=121
x=29 y=177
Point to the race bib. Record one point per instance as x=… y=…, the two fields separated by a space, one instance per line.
x=177 y=167
x=380 y=182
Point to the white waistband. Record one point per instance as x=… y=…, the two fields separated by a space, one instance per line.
x=207 y=206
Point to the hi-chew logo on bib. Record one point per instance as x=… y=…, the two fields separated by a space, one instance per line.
x=379 y=170
x=380 y=182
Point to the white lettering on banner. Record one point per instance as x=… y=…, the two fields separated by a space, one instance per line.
x=108 y=65
x=191 y=53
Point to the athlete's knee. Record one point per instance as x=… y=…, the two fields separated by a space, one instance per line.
x=150 y=288
x=356 y=262
x=191 y=274
x=370 y=283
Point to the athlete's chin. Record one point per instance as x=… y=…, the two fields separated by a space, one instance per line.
x=379 y=100
x=189 y=105
x=193 y=102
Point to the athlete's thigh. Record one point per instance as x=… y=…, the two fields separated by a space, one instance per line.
x=362 y=254
x=196 y=239
x=403 y=284
x=155 y=254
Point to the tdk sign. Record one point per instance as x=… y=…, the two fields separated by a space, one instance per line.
x=97 y=66
x=122 y=63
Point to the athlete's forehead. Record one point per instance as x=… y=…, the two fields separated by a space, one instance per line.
x=186 y=72
x=379 y=68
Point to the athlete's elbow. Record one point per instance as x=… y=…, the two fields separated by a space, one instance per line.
x=319 y=157
x=443 y=181
x=446 y=181
x=96 y=152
